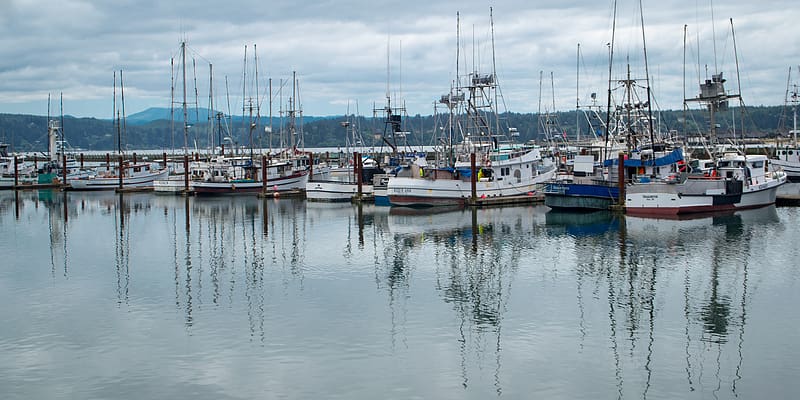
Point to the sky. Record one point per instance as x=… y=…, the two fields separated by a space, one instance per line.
x=548 y=55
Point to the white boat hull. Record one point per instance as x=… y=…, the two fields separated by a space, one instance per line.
x=285 y=183
x=662 y=199
x=110 y=183
x=334 y=190
x=420 y=192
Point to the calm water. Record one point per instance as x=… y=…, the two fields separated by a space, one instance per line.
x=139 y=296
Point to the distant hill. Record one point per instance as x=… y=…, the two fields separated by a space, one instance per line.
x=151 y=129
x=195 y=115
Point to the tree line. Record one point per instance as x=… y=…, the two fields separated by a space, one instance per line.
x=28 y=133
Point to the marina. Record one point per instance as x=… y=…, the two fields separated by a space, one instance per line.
x=627 y=232
x=131 y=295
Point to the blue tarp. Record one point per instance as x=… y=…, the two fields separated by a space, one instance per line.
x=671 y=158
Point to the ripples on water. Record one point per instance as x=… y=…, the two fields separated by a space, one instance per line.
x=142 y=296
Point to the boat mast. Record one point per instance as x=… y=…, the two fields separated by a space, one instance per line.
x=794 y=114
x=185 y=109
x=578 y=94
x=494 y=76
x=211 y=113
x=647 y=77
x=739 y=87
x=172 y=103
x=610 y=64
x=123 y=125
x=63 y=136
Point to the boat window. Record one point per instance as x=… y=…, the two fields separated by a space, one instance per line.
x=791 y=152
x=758 y=164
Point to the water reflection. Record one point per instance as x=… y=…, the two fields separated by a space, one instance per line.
x=639 y=307
x=475 y=255
x=715 y=251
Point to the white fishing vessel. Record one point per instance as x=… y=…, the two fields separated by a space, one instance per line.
x=501 y=168
x=135 y=173
x=139 y=174
x=736 y=181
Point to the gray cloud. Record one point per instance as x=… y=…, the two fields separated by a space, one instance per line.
x=339 y=50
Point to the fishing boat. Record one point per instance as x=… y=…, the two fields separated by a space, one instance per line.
x=242 y=175
x=133 y=174
x=126 y=173
x=737 y=181
x=501 y=168
x=593 y=180
x=23 y=173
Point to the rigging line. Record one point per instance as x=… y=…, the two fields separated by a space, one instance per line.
x=647 y=77
x=610 y=64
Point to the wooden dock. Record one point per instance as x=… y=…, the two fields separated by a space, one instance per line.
x=289 y=194
x=532 y=198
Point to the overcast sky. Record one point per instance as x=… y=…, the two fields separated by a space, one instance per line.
x=339 y=51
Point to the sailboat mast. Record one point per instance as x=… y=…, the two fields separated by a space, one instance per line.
x=270 y=115
x=578 y=94
x=610 y=71
x=292 y=106
x=122 y=121
x=185 y=109
x=172 y=103
x=494 y=76
x=211 y=107
x=63 y=137
x=258 y=100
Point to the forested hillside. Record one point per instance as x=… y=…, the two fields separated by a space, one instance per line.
x=29 y=133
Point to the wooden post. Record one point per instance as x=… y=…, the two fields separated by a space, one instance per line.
x=16 y=172
x=108 y=161
x=134 y=158
x=263 y=174
x=81 y=160
x=164 y=157
x=621 y=179
x=186 y=173
x=310 y=165
x=64 y=169
x=473 y=177
x=357 y=171
x=120 y=171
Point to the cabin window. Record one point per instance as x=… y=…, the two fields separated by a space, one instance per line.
x=758 y=164
x=790 y=152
